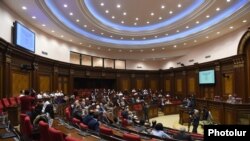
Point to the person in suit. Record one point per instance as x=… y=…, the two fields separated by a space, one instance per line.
x=93 y=124
x=182 y=135
x=158 y=131
x=195 y=120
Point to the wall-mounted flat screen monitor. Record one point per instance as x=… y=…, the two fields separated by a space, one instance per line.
x=24 y=37
x=207 y=77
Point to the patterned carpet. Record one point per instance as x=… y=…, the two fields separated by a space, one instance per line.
x=172 y=121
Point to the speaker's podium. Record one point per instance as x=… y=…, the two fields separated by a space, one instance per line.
x=184 y=114
x=13 y=114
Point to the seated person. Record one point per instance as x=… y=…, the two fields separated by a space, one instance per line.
x=88 y=117
x=182 y=135
x=206 y=116
x=93 y=124
x=158 y=131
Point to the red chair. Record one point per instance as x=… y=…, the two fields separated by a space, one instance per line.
x=76 y=121
x=18 y=101
x=12 y=101
x=72 y=139
x=22 y=119
x=68 y=116
x=44 y=130
x=105 y=130
x=131 y=137
x=28 y=128
x=56 y=135
x=124 y=122
x=83 y=127
x=5 y=102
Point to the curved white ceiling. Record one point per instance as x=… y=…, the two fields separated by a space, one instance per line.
x=152 y=25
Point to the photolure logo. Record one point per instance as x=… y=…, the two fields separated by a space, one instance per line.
x=217 y=132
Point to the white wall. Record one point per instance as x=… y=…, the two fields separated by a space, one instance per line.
x=219 y=48
x=59 y=50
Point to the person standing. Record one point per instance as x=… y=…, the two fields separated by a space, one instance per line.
x=195 y=120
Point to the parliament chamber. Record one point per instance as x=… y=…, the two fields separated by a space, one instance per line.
x=85 y=80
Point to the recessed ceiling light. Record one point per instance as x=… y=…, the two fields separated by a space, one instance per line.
x=162 y=6
x=153 y=49
x=65 y=5
x=197 y=22
x=118 y=6
x=175 y=46
x=113 y=17
x=170 y=12
x=77 y=20
x=124 y=13
x=163 y=48
x=148 y=22
x=120 y=50
x=187 y=26
x=144 y=38
x=244 y=21
x=102 y=33
x=132 y=38
x=61 y=36
x=195 y=41
x=179 y=5
x=152 y=14
x=184 y=44
x=24 y=8
x=71 y=14
x=218 y=32
x=89 y=46
x=164 y=58
x=109 y=49
x=122 y=38
x=207 y=37
x=52 y=31
x=231 y=27
x=80 y=43
x=99 y=48
x=166 y=34
x=177 y=31
x=102 y=4
x=85 y=25
x=130 y=50
x=70 y=40
x=136 y=18
x=156 y=36
x=160 y=18
x=106 y=11
x=141 y=50
x=111 y=36
x=43 y=24
x=93 y=30
x=228 y=0
x=208 y=16
x=135 y=23
x=218 y=9
x=122 y=22
x=33 y=17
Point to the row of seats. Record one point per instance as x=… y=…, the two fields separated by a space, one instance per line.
x=45 y=132
x=9 y=102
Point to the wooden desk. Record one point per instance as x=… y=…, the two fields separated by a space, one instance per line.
x=73 y=132
x=13 y=114
x=8 y=139
x=184 y=115
x=226 y=113
x=169 y=109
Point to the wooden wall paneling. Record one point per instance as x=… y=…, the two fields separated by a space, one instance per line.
x=6 y=75
x=216 y=110
x=239 y=80
x=218 y=83
x=230 y=116
x=44 y=83
x=20 y=81
x=227 y=88
x=139 y=83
